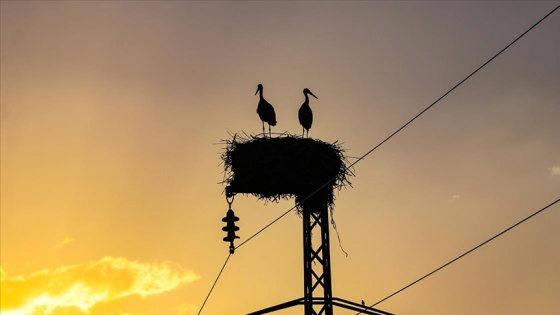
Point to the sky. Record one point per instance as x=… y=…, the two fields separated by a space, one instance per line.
x=114 y=117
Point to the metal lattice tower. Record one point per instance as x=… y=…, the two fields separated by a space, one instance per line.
x=318 y=298
x=317 y=264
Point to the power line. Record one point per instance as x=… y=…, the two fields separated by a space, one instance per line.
x=274 y=221
x=213 y=285
x=463 y=255
x=406 y=124
x=377 y=146
x=456 y=86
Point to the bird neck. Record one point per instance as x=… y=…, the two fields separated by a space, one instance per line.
x=306 y=103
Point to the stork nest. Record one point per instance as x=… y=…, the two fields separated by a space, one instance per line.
x=286 y=166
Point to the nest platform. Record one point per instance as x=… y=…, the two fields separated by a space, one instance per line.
x=284 y=167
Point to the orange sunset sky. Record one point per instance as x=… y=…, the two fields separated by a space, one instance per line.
x=113 y=114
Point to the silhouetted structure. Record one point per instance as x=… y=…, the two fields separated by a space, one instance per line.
x=285 y=167
x=309 y=170
x=305 y=114
x=265 y=110
x=230 y=228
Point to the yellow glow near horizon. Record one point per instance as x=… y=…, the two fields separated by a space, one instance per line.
x=82 y=286
x=112 y=120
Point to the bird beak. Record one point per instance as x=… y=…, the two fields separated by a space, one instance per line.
x=313 y=95
x=257 y=91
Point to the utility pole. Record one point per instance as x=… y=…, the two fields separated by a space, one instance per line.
x=309 y=170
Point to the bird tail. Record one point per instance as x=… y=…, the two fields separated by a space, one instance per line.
x=273 y=123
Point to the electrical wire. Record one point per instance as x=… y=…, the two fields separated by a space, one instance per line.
x=462 y=255
x=377 y=146
x=271 y=223
x=213 y=285
x=405 y=125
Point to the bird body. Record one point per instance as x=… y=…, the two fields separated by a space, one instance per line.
x=305 y=114
x=265 y=110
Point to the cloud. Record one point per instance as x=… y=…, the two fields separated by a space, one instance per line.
x=84 y=285
x=455 y=197
x=65 y=241
x=555 y=170
x=184 y=309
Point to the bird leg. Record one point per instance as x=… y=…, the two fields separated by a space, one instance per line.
x=263 y=127
x=269 y=132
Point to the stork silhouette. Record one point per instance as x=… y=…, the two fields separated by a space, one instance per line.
x=305 y=114
x=265 y=110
